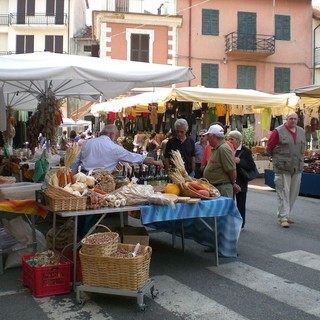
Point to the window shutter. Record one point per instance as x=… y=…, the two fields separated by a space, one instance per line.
x=95 y=50
x=30 y=7
x=282 y=27
x=282 y=80
x=140 y=47
x=49 y=43
x=50 y=8
x=210 y=22
x=59 y=11
x=21 y=11
x=29 y=44
x=58 y=44
x=210 y=75
x=19 y=44
x=246 y=77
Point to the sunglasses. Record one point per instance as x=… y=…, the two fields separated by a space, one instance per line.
x=202 y=135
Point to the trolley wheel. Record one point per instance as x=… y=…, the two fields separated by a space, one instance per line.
x=154 y=293
x=142 y=307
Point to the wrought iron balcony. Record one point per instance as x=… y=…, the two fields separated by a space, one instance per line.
x=4 y=19
x=38 y=19
x=252 y=43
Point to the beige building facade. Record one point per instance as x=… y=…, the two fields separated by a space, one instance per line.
x=40 y=25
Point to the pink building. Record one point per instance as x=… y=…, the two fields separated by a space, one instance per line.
x=264 y=45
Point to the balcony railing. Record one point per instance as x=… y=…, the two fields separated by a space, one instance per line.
x=141 y=6
x=4 y=19
x=38 y=19
x=256 y=43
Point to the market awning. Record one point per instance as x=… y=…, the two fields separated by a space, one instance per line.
x=201 y=94
x=309 y=96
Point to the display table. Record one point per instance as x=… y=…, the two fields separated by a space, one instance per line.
x=310 y=183
x=18 y=207
x=262 y=165
x=200 y=220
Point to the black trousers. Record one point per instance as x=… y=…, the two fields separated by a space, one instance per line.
x=241 y=198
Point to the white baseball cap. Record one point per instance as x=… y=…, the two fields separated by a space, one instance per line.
x=216 y=130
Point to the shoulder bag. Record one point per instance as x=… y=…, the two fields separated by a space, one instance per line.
x=248 y=174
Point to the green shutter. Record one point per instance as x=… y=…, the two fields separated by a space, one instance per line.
x=281 y=80
x=282 y=27
x=210 y=75
x=246 y=77
x=210 y=22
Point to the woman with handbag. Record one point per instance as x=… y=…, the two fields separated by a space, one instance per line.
x=244 y=164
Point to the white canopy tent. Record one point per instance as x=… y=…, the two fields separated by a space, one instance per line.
x=201 y=94
x=83 y=77
x=309 y=96
x=116 y=105
x=234 y=97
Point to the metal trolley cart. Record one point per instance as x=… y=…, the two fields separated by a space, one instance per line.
x=121 y=292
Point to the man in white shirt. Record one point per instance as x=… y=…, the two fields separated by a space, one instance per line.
x=103 y=152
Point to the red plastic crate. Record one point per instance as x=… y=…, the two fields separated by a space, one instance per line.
x=48 y=280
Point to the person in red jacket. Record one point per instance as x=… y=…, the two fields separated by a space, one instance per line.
x=286 y=145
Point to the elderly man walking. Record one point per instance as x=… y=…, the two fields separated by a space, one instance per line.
x=286 y=145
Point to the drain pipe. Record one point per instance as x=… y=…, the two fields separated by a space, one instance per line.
x=314 y=53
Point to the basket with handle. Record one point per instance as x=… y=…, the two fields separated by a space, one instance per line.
x=188 y=192
x=58 y=199
x=117 y=272
x=100 y=243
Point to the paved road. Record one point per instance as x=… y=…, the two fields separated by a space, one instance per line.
x=276 y=276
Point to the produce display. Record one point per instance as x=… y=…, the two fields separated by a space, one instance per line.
x=45 y=258
x=312 y=159
x=195 y=188
x=46 y=119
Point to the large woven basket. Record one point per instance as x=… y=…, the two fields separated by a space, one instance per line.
x=57 y=199
x=117 y=272
x=187 y=192
x=92 y=245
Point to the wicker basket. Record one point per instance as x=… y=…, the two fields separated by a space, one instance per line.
x=117 y=272
x=187 y=192
x=104 y=180
x=102 y=249
x=57 y=199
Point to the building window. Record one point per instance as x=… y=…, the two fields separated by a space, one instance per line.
x=24 y=44
x=54 y=44
x=25 y=8
x=281 y=80
x=140 y=45
x=282 y=25
x=122 y=6
x=246 y=77
x=210 y=22
x=247 y=29
x=210 y=75
x=87 y=48
x=56 y=8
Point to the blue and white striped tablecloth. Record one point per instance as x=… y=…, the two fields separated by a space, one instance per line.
x=229 y=221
